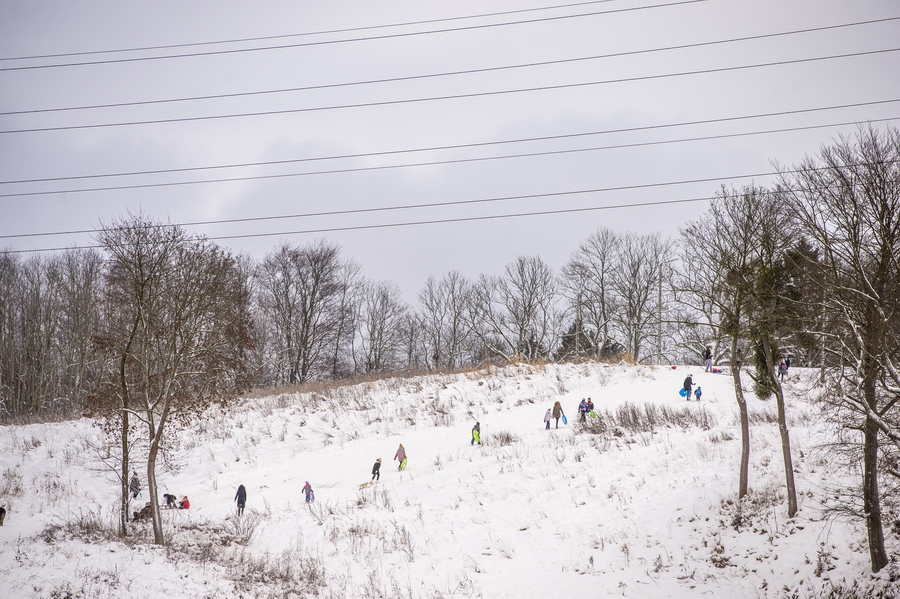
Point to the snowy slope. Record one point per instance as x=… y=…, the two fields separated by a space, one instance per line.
x=531 y=513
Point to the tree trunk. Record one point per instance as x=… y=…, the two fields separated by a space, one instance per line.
x=743 y=481
x=772 y=373
x=871 y=500
x=125 y=497
x=158 y=536
x=786 y=453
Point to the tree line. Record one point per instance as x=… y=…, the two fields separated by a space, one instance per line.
x=159 y=323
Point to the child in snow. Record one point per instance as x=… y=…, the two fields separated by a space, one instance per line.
x=558 y=413
x=476 y=434
x=547 y=418
x=241 y=499
x=184 y=504
x=308 y=491
x=583 y=410
x=376 y=470
x=698 y=393
x=782 y=369
x=590 y=406
x=170 y=500
x=400 y=456
x=145 y=512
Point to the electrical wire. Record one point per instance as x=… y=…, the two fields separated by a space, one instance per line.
x=447 y=73
x=464 y=146
x=329 y=42
x=452 y=96
x=309 y=33
x=435 y=205
x=440 y=162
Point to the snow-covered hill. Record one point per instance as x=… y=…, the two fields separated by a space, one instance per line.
x=644 y=507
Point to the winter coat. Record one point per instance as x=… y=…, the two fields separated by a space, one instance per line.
x=547 y=416
x=707 y=355
x=376 y=467
x=557 y=410
x=184 y=503
x=688 y=383
x=241 y=496
x=590 y=406
x=400 y=455
x=307 y=489
x=135 y=485
x=583 y=406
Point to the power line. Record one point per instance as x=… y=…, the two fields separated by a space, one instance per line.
x=341 y=41
x=309 y=33
x=457 y=146
x=432 y=205
x=440 y=162
x=452 y=220
x=448 y=73
x=403 y=224
x=454 y=96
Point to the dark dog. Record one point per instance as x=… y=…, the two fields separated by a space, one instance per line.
x=2 y=515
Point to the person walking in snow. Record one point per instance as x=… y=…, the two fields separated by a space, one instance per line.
x=241 y=499
x=707 y=357
x=782 y=369
x=558 y=413
x=376 y=470
x=688 y=386
x=134 y=486
x=476 y=434
x=590 y=405
x=547 y=418
x=308 y=492
x=583 y=410
x=698 y=393
x=400 y=456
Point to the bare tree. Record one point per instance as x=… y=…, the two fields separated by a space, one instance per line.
x=382 y=322
x=848 y=202
x=177 y=331
x=445 y=333
x=725 y=241
x=516 y=314
x=303 y=292
x=641 y=263
x=587 y=285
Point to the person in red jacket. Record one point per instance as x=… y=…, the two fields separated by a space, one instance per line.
x=184 y=504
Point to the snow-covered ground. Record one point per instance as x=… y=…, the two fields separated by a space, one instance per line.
x=531 y=513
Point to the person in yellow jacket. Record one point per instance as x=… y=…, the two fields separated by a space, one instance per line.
x=476 y=433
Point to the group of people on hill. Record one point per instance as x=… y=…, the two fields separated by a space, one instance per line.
x=172 y=502
x=556 y=413
x=689 y=385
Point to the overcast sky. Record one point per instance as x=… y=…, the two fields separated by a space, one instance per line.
x=382 y=82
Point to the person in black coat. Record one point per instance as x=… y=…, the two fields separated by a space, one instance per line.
x=688 y=386
x=241 y=499
x=376 y=470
